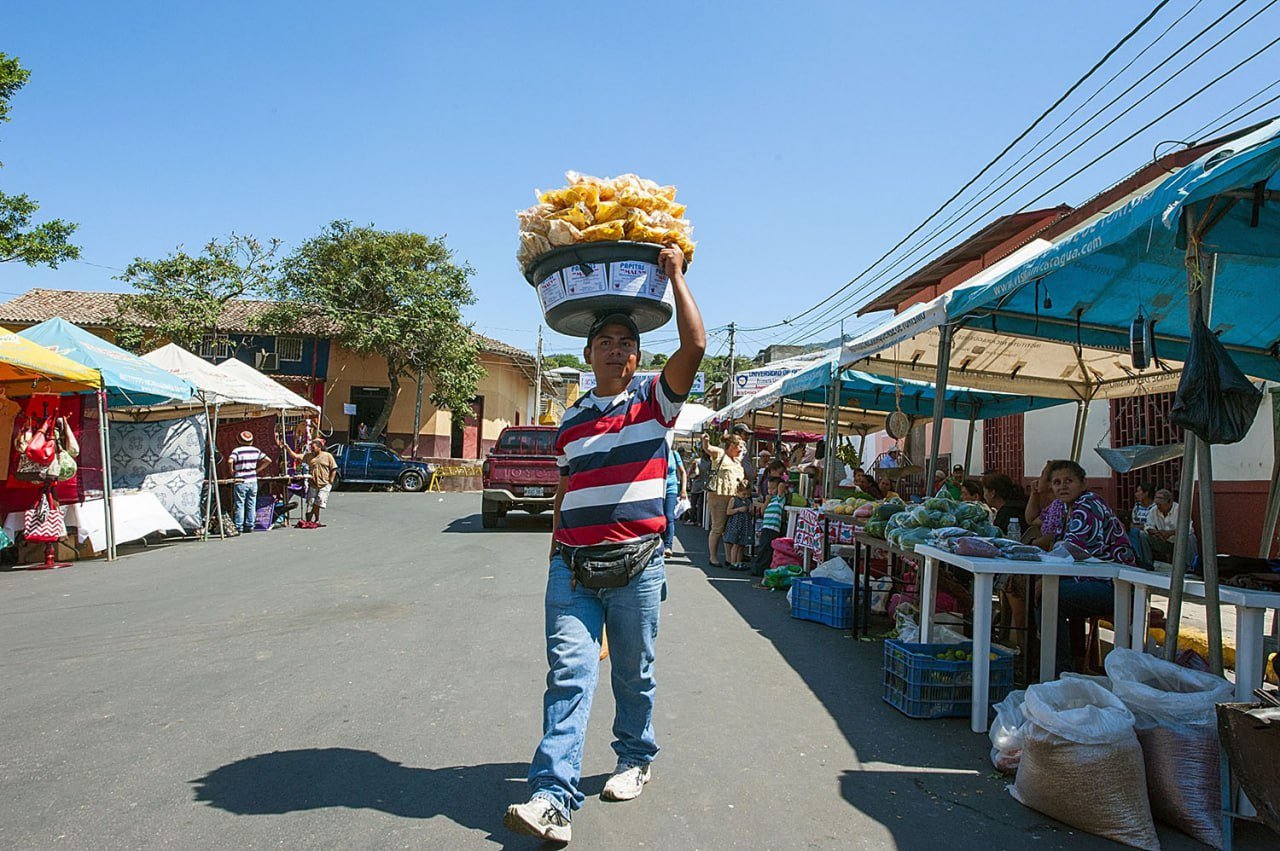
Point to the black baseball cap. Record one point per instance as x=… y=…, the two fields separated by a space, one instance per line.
x=742 y=428
x=622 y=319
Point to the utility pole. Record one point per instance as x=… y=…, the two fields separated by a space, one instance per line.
x=417 y=418
x=537 y=408
x=730 y=393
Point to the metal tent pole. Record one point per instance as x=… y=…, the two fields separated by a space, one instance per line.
x=939 y=404
x=104 y=445
x=1078 y=448
x=1273 y=497
x=209 y=486
x=213 y=467
x=1208 y=532
x=778 y=437
x=968 y=446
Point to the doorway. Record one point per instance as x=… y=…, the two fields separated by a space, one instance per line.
x=368 y=402
x=464 y=436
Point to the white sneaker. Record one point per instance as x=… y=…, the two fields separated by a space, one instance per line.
x=538 y=817
x=626 y=783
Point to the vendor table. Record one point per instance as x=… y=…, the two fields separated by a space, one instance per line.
x=136 y=513
x=1133 y=589
x=984 y=571
x=860 y=551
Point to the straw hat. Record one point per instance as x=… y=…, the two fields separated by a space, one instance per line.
x=246 y=437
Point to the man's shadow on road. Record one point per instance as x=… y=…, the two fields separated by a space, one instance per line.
x=474 y=796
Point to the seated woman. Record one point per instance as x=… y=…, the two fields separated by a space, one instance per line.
x=863 y=483
x=1092 y=526
x=886 y=488
x=971 y=491
x=1045 y=514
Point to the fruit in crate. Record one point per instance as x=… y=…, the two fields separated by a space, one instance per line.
x=594 y=209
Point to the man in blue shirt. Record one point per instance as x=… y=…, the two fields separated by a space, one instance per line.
x=677 y=489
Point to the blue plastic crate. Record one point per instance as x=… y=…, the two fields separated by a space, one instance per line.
x=920 y=685
x=817 y=598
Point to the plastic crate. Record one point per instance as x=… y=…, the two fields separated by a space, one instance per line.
x=817 y=598
x=919 y=685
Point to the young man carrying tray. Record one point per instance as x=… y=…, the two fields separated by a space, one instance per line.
x=607 y=566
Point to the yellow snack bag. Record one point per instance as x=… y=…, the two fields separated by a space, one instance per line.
x=613 y=230
x=585 y=193
x=577 y=215
x=558 y=198
x=634 y=197
x=563 y=233
x=677 y=210
x=608 y=211
x=534 y=219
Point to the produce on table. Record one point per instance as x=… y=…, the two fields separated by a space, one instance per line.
x=593 y=209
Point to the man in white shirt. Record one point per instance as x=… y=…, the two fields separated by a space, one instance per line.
x=1162 y=525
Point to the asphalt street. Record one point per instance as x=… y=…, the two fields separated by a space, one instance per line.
x=377 y=684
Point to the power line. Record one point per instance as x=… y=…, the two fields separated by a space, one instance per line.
x=832 y=309
x=1199 y=135
x=990 y=164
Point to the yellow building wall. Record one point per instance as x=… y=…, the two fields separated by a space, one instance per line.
x=505 y=389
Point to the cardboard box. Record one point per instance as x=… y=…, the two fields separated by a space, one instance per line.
x=66 y=549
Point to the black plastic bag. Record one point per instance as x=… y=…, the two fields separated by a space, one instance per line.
x=1215 y=400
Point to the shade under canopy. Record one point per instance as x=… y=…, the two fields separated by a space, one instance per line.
x=27 y=367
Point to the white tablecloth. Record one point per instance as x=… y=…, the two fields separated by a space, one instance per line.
x=137 y=514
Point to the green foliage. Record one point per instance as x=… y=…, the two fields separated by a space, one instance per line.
x=395 y=294
x=557 y=361
x=43 y=244
x=181 y=297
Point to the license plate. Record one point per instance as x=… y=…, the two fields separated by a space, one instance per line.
x=534 y=492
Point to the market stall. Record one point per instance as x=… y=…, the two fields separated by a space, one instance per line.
x=129 y=384
x=29 y=372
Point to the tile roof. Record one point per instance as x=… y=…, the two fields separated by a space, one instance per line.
x=82 y=307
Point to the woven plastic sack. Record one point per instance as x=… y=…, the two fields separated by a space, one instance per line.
x=1006 y=732
x=1081 y=763
x=1176 y=721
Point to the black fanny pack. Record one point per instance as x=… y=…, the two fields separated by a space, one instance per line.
x=610 y=565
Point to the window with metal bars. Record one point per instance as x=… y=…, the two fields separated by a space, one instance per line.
x=1144 y=420
x=1004 y=446
x=289 y=349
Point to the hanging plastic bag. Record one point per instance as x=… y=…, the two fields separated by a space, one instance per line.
x=1215 y=400
x=68 y=438
x=1176 y=722
x=1081 y=763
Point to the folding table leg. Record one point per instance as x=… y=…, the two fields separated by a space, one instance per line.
x=982 y=583
x=1048 y=629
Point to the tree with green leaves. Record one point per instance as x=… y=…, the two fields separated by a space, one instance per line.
x=557 y=361
x=45 y=244
x=392 y=294
x=181 y=298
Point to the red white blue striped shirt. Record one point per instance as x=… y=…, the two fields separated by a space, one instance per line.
x=614 y=453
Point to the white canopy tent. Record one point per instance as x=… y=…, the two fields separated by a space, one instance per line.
x=216 y=387
x=282 y=397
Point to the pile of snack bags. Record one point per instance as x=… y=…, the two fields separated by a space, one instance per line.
x=594 y=209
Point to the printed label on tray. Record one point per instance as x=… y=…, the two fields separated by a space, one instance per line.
x=659 y=286
x=584 y=279
x=630 y=277
x=551 y=291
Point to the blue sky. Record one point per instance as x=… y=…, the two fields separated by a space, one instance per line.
x=805 y=139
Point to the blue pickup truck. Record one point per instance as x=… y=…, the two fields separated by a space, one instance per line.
x=374 y=464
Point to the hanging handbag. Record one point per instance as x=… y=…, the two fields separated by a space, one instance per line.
x=63 y=467
x=41 y=449
x=69 y=442
x=44 y=523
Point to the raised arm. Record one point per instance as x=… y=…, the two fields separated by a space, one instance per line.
x=682 y=366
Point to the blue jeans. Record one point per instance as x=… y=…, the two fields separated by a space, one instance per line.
x=246 y=504
x=1080 y=599
x=575 y=617
x=669 y=508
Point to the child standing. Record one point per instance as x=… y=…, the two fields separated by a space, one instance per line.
x=774 y=511
x=737 y=533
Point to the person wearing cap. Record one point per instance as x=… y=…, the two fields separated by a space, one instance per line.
x=743 y=431
x=949 y=487
x=321 y=468
x=246 y=462
x=613 y=455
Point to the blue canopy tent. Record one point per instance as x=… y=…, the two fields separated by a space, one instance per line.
x=1202 y=244
x=128 y=382
x=859 y=400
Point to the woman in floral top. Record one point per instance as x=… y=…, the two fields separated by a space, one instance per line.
x=1092 y=526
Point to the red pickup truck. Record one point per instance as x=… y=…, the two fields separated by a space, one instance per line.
x=520 y=473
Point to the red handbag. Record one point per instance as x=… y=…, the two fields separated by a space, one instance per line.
x=42 y=449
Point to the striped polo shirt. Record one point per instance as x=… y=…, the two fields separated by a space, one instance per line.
x=614 y=454
x=773 y=514
x=244 y=462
